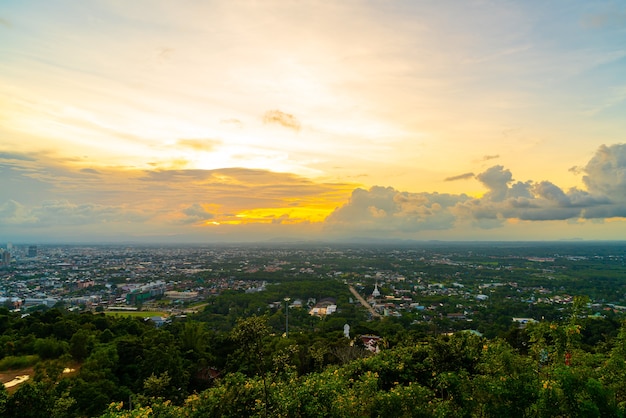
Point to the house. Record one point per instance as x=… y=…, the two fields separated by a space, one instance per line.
x=522 y=322
x=159 y=321
x=370 y=342
x=323 y=310
x=325 y=307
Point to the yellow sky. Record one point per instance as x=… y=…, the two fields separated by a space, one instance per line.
x=185 y=117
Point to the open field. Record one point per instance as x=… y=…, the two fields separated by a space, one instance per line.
x=18 y=362
x=141 y=314
x=12 y=379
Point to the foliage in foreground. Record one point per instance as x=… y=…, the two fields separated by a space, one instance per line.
x=127 y=367
x=461 y=375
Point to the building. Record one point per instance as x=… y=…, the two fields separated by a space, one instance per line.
x=175 y=295
x=523 y=322
x=48 y=302
x=325 y=307
x=32 y=251
x=5 y=258
x=146 y=292
x=370 y=342
x=158 y=321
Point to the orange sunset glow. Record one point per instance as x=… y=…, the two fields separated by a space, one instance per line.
x=213 y=121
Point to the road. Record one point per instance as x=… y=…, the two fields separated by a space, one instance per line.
x=364 y=303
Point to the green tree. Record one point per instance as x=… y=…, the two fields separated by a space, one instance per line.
x=63 y=405
x=50 y=348
x=4 y=396
x=250 y=333
x=156 y=386
x=81 y=344
x=161 y=355
x=613 y=372
x=97 y=385
x=30 y=400
x=193 y=338
x=506 y=383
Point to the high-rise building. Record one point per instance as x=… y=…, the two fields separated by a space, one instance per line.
x=5 y=258
x=32 y=251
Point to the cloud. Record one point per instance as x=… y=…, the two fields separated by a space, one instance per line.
x=490 y=157
x=606 y=172
x=194 y=214
x=575 y=169
x=496 y=179
x=206 y=145
x=615 y=17
x=62 y=212
x=240 y=185
x=89 y=171
x=14 y=213
x=540 y=201
x=387 y=209
x=15 y=156
x=164 y=53
x=464 y=176
x=42 y=194
x=232 y=121
x=280 y=219
x=48 y=195
x=285 y=119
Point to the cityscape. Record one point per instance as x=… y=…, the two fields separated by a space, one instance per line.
x=312 y=209
x=223 y=312
x=458 y=277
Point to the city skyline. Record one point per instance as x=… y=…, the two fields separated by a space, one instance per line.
x=156 y=121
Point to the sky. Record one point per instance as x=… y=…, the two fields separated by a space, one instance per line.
x=235 y=121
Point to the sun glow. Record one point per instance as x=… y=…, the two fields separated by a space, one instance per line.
x=287 y=215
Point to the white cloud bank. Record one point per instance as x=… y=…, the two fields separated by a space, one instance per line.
x=385 y=209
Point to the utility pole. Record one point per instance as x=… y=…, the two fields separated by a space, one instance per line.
x=287 y=317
